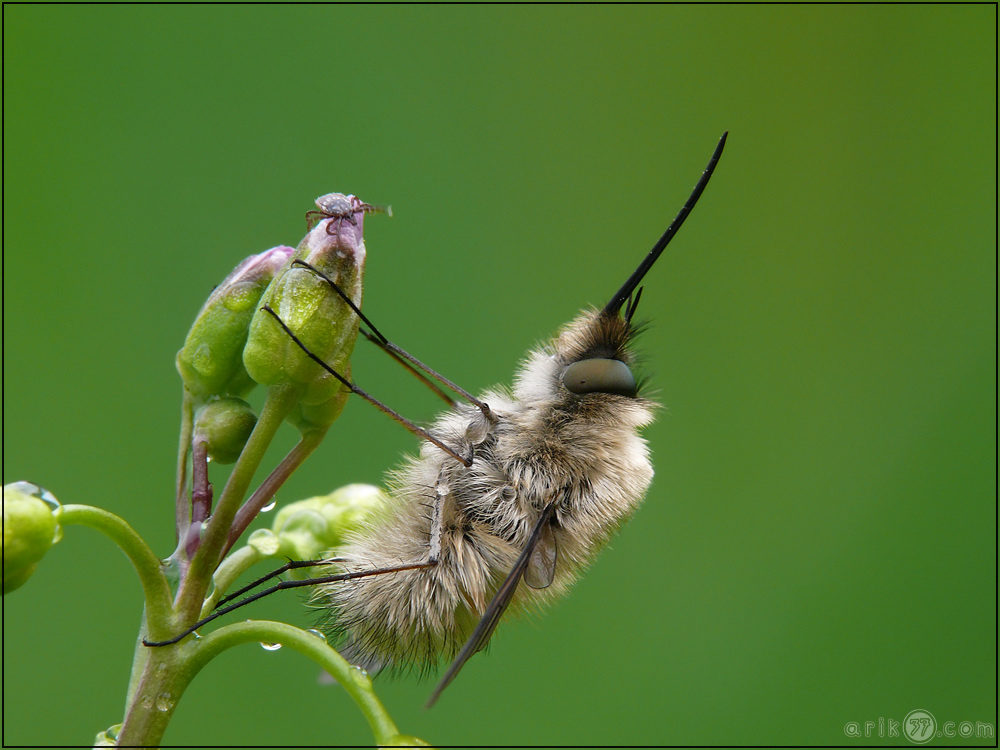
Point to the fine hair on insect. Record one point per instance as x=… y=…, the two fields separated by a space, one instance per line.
x=512 y=495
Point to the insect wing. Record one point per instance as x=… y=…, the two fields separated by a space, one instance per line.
x=542 y=563
x=497 y=606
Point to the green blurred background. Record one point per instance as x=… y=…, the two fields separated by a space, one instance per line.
x=819 y=544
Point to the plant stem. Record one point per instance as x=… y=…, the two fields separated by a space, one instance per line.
x=146 y=564
x=263 y=494
x=183 y=505
x=280 y=401
x=355 y=681
x=230 y=569
x=154 y=697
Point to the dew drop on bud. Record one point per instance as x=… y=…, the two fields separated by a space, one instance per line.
x=269 y=507
x=164 y=702
x=270 y=646
x=317 y=634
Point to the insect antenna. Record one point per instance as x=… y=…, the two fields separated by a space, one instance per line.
x=334 y=578
x=623 y=294
x=396 y=351
x=418 y=431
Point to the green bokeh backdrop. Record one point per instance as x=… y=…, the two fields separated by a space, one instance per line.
x=819 y=544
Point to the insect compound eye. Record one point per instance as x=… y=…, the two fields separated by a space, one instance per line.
x=600 y=376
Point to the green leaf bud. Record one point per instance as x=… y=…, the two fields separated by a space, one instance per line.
x=224 y=426
x=314 y=312
x=211 y=361
x=30 y=527
x=314 y=526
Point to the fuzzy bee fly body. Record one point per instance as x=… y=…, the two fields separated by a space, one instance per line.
x=557 y=465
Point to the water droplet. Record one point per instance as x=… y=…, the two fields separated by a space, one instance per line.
x=265 y=542
x=270 y=646
x=161 y=668
x=208 y=459
x=112 y=732
x=361 y=676
x=36 y=490
x=316 y=633
x=146 y=701
x=164 y=702
x=269 y=507
x=478 y=429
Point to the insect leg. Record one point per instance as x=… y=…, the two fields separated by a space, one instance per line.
x=397 y=351
x=290 y=565
x=441 y=491
x=497 y=606
x=335 y=578
x=419 y=432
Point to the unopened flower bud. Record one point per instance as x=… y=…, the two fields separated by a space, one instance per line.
x=225 y=426
x=30 y=527
x=211 y=362
x=314 y=312
x=309 y=417
x=319 y=524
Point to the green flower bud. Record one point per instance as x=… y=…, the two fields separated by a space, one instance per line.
x=314 y=526
x=211 y=362
x=30 y=527
x=308 y=417
x=225 y=426
x=314 y=312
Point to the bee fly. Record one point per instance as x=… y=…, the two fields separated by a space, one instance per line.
x=519 y=486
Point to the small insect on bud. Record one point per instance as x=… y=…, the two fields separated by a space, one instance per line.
x=224 y=426
x=317 y=525
x=211 y=361
x=30 y=527
x=322 y=322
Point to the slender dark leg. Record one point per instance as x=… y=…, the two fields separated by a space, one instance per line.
x=281 y=587
x=418 y=431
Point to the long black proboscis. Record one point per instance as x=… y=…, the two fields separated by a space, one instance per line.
x=622 y=295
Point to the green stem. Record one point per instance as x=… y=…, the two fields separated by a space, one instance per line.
x=154 y=697
x=354 y=680
x=280 y=401
x=231 y=568
x=265 y=493
x=183 y=503
x=146 y=564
